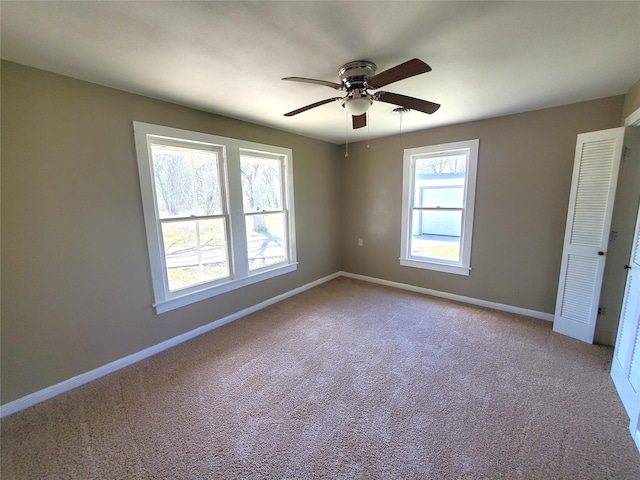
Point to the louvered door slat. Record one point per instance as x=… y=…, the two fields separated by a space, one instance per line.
x=625 y=369
x=592 y=192
x=623 y=350
x=595 y=176
x=636 y=253
x=578 y=288
x=634 y=367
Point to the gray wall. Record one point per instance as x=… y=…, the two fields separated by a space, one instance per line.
x=76 y=288
x=524 y=177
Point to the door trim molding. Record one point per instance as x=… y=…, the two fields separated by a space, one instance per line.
x=633 y=120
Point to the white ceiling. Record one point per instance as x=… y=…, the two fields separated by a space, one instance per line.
x=488 y=58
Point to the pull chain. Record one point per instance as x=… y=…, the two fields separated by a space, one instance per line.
x=346 y=133
x=368 y=127
x=401 y=111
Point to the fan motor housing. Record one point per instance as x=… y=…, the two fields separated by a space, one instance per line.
x=355 y=74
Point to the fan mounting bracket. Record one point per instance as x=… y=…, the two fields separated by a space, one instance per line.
x=355 y=74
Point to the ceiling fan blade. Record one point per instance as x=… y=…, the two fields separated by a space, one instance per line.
x=337 y=86
x=408 y=102
x=313 y=105
x=399 y=72
x=359 y=121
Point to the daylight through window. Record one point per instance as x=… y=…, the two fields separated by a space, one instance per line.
x=191 y=213
x=439 y=191
x=266 y=220
x=202 y=241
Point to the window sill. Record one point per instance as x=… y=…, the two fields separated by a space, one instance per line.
x=178 y=300
x=438 y=267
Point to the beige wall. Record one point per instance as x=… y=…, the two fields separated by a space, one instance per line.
x=524 y=177
x=631 y=101
x=76 y=288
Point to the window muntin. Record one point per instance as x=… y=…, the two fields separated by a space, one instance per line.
x=195 y=252
x=438 y=199
x=194 y=196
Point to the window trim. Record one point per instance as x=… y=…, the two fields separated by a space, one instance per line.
x=240 y=275
x=463 y=267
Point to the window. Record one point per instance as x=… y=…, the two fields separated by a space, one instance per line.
x=437 y=206
x=218 y=213
x=192 y=216
x=266 y=220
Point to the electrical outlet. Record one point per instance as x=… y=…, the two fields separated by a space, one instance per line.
x=360 y=242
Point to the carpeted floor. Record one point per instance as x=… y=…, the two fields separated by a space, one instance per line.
x=347 y=380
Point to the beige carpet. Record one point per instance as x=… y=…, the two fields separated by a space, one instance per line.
x=347 y=380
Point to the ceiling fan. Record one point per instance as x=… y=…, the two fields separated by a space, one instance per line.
x=360 y=76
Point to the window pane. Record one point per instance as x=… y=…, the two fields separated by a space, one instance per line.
x=195 y=252
x=438 y=164
x=266 y=240
x=186 y=182
x=172 y=173
x=440 y=193
x=207 y=184
x=261 y=184
x=436 y=234
x=439 y=181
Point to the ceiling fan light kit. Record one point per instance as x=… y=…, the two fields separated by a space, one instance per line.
x=358 y=103
x=360 y=76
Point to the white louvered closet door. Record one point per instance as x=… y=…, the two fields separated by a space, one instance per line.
x=593 y=187
x=625 y=368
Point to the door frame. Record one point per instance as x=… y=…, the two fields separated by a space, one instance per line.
x=633 y=120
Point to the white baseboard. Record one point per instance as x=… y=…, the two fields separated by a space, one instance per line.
x=65 y=386
x=70 y=384
x=452 y=296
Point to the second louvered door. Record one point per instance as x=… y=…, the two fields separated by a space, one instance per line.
x=593 y=187
x=625 y=368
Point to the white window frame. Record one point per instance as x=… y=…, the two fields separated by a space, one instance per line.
x=230 y=176
x=463 y=266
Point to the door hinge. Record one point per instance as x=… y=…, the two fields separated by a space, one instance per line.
x=602 y=311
